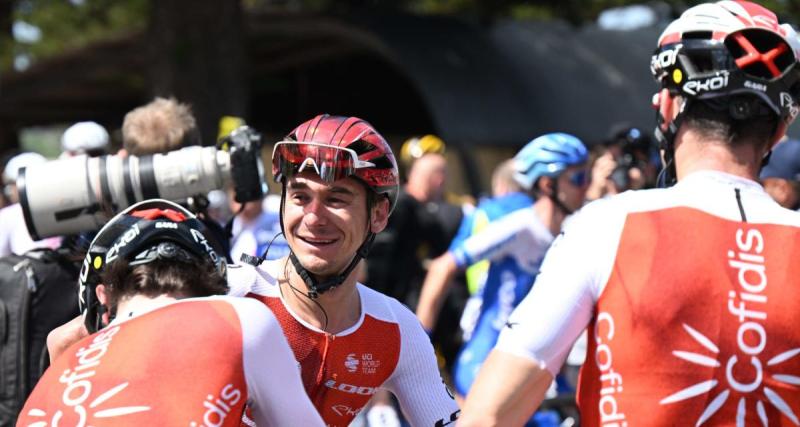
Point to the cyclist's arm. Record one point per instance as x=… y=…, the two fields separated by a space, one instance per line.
x=541 y=330
x=276 y=392
x=434 y=289
x=416 y=382
x=508 y=389
x=62 y=337
x=492 y=243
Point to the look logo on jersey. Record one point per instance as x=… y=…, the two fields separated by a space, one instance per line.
x=735 y=356
x=338 y=380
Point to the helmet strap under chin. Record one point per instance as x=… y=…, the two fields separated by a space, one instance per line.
x=315 y=288
x=556 y=201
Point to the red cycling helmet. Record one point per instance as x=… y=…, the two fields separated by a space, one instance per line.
x=337 y=147
x=730 y=54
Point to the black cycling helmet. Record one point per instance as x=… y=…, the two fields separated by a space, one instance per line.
x=145 y=232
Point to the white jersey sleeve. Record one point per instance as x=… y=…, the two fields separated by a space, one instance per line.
x=509 y=235
x=276 y=392
x=241 y=278
x=559 y=307
x=416 y=382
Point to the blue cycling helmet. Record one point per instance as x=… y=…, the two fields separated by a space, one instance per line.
x=548 y=155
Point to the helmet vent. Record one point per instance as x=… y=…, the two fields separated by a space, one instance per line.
x=361 y=147
x=382 y=162
x=697 y=35
x=759 y=53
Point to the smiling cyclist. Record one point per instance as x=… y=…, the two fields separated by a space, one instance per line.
x=339 y=183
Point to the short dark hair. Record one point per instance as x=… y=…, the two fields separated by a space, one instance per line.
x=162 y=277
x=713 y=120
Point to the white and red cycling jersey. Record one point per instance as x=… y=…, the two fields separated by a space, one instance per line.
x=386 y=348
x=195 y=362
x=691 y=295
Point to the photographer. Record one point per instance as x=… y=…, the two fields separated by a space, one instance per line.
x=624 y=162
x=160 y=126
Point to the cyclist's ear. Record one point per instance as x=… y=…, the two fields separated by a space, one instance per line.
x=546 y=186
x=102 y=298
x=380 y=215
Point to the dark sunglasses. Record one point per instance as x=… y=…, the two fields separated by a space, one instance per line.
x=578 y=178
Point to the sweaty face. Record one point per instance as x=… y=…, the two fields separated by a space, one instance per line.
x=326 y=223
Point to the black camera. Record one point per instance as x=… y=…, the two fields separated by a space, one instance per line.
x=82 y=193
x=635 y=150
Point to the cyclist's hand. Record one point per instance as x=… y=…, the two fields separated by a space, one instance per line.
x=601 y=170
x=60 y=338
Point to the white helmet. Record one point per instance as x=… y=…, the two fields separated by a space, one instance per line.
x=84 y=136
x=21 y=160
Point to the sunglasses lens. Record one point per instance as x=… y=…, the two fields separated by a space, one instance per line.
x=579 y=178
x=330 y=163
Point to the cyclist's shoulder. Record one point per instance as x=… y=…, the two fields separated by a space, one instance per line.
x=244 y=278
x=385 y=308
x=497 y=207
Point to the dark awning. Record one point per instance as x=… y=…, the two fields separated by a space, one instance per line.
x=503 y=84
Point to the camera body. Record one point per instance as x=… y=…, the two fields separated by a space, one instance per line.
x=634 y=150
x=82 y=193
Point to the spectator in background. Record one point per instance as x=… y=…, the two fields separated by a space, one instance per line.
x=14 y=236
x=627 y=160
x=84 y=138
x=254 y=230
x=162 y=125
x=503 y=181
x=415 y=232
x=781 y=176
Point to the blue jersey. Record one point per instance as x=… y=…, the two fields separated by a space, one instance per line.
x=515 y=246
x=269 y=231
x=487 y=211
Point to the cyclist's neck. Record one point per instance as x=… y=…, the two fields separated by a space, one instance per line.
x=551 y=215
x=342 y=305
x=692 y=154
x=139 y=304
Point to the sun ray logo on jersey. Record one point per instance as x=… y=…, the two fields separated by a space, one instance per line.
x=701 y=388
x=83 y=417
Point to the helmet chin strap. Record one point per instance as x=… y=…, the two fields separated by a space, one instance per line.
x=315 y=288
x=666 y=142
x=554 y=197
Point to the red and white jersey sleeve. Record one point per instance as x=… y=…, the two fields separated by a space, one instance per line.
x=276 y=395
x=191 y=363
x=423 y=395
x=386 y=348
x=691 y=297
